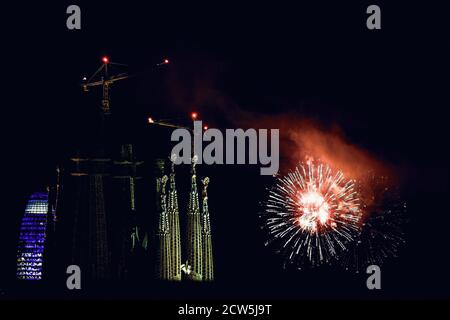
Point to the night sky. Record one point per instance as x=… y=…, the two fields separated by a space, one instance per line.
x=386 y=90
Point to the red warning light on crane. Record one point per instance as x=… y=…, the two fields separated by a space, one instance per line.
x=105 y=59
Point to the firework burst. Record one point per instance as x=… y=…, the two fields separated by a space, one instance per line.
x=312 y=214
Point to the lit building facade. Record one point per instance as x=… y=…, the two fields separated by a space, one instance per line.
x=208 y=266
x=164 y=250
x=32 y=238
x=174 y=226
x=198 y=264
x=194 y=231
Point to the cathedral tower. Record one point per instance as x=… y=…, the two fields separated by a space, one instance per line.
x=164 y=252
x=208 y=267
x=174 y=225
x=194 y=230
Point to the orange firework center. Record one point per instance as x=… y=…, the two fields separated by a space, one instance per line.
x=314 y=210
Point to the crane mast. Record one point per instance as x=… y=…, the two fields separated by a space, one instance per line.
x=105 y=82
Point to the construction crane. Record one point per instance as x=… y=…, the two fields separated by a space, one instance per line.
x=166 y=123
x=169 y=122
x=106 y=81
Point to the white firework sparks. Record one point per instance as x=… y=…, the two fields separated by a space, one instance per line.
x=382 y=233
x=312 y=214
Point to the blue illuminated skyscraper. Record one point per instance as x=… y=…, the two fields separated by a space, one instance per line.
x=32 y=238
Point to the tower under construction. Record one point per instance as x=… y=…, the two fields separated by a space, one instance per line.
x=208 y=267
x=125 y=179
x=198 y=259
x=98 y=227
x=174 y=225
x=194 y=230
x=164 y=252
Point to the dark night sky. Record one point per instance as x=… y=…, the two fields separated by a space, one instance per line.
x=385 y=90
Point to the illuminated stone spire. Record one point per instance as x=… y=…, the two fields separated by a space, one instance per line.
x=164 y=256
x=208 y=266
x=194 y=230
x=174 y=225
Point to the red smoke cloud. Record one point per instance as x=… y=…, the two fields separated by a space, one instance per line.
x=299 y=137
